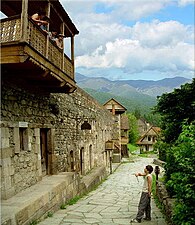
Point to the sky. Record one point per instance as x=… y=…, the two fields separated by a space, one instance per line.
x=134 y=39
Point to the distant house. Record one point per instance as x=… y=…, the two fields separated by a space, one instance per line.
x=143 y=126
x=148 y=139
x=115 y=107
x=120 y=129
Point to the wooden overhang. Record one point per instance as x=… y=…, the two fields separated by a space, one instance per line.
x=28 y=57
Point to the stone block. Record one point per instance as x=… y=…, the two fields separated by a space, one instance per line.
x=4 y=142
x=22 y=216
x=36 y=148
x=5 y=132
x=116 y=158
x=6 y=153
x=16 y=140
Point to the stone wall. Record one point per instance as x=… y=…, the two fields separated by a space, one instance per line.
x=44 y=135
x=165 y=200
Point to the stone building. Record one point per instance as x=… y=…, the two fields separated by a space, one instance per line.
x=50 y=128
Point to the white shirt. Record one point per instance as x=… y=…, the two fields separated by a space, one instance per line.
x=145 y=186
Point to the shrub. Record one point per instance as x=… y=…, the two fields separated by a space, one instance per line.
x=180 y=172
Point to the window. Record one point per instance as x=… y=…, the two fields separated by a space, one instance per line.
x=85 y=126
x=23 y=138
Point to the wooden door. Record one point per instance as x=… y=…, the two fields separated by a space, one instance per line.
x=44 y=151
x=82 y=160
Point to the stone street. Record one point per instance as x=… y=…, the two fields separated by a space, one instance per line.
x=115 y=201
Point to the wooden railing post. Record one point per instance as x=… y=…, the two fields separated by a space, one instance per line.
x=24 y=20
x=47 y=42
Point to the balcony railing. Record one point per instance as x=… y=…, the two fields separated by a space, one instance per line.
x=11 y=32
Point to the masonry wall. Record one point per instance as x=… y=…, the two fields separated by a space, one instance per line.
x=45 y=135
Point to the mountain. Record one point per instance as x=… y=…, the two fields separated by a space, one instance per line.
x=130 y=87
x=133 y=94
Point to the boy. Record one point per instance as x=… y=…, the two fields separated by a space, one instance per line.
x=144 y=204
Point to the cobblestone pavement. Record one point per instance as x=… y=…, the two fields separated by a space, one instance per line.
x=114 y=202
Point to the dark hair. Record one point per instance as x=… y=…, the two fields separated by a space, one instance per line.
x=149 y=168
x=41 y=13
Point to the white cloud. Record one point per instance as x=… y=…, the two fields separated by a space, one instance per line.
x=109 y=41
x=150 y=46
x=185 y=2
x=131 y=57
x=156 y=33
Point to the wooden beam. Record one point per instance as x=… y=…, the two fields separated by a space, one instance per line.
x=63 y=84
x=13 y=59
x=24 y=20
x=58 y=73
x=47 y=72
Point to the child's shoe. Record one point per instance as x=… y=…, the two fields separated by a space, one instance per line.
x=148 y=219
x=135 y=221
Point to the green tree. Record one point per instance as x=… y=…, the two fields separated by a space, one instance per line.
x=133 y=131
x=177 y=110
x=180 y=172
x=137 y=113
x=175 y=107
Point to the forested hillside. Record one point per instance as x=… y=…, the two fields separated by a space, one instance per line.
x=143 y=103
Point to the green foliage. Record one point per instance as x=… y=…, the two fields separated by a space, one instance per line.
x=63 y=206
x=49 y=214
x=133 y=131
x=175 y=107
x=177 y=148
x=180 y=176
x=35 y=222
x=74 y=200
x=132 y=148
x=138 y=103
x=153 y=118
x=162 y=148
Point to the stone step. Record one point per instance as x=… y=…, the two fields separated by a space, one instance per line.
x=46 y=196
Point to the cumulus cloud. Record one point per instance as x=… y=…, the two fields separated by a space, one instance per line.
x=185 y=2
x=156 y=33
x=131 y=57
x=112 y=38
x=150 y=46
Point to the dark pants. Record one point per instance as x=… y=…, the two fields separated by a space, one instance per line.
x=144 y=207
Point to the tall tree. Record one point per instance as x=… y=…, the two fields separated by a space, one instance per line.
x=133 y=131
x=175 y=107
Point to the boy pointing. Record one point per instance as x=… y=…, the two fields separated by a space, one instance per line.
x=144 y=203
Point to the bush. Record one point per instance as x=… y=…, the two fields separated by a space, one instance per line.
x=180 y=176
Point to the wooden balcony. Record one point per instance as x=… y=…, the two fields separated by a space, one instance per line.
x=30 y=59
x=124 y=140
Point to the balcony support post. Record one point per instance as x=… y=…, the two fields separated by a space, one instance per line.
x=24 y=20
x=63 y=32
x=72 y=53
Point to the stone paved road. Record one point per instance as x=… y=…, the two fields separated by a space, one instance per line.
x=114 y=202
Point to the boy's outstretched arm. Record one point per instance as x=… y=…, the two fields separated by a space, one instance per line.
x=140 y=174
